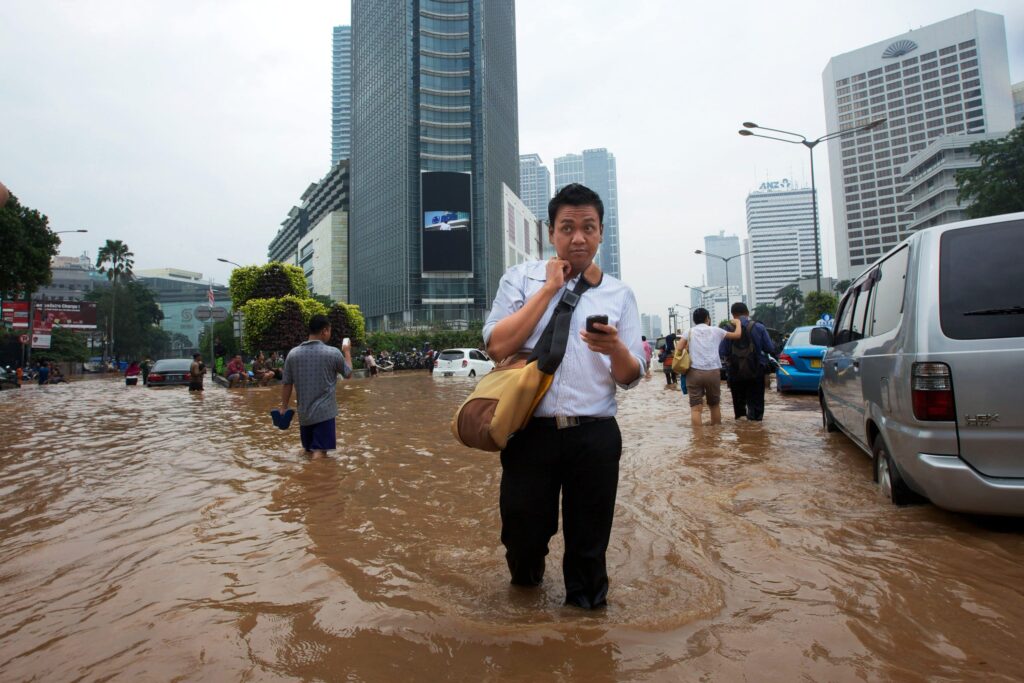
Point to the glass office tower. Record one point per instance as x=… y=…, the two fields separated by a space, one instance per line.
x=341 y=94
x=435 y=134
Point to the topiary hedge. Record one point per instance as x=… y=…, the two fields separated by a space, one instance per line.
x=271 y=281
x=347 y=321
x=278 y=324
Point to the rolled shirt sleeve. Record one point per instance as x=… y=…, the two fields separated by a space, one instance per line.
x=509 y=299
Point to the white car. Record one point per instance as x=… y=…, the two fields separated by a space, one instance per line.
x=462 y=363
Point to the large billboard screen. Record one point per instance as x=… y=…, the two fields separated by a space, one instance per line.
x=447 y=221
x=49 y=313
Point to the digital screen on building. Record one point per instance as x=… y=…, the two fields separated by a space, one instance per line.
x=447 y=221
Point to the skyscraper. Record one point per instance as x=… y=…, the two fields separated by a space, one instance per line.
x=534 y=184
x=341 y=94
x=596 y=169
x=947 y=78
x=435 y=134
x=780 y=222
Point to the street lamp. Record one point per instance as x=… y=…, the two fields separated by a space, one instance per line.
x=810 y=145
x=60 y=232
x=703 y=292
x=224 y=260
x=726 y=259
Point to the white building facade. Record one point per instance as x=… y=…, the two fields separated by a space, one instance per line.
x=524 y=234
x=951 y=77
x=780 y=223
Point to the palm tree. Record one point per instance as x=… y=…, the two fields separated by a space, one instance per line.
x=120 y=260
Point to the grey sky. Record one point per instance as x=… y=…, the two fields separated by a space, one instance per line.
x=188 y=129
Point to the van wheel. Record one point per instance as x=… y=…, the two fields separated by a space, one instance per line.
x=827 y=421
x=890 y=483
x=472 y=373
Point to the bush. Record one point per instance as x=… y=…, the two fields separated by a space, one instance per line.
x=439 y=339
x=271 y=281
x=278 y=324
x=347 y=321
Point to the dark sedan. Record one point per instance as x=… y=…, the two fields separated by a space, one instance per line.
x=170 y=372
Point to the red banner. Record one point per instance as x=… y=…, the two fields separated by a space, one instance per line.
x=15 y=314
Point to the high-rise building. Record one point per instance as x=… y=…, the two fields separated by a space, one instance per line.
x=569 y=169
x=596 y=169
x=434 y=135
x=951 y=77
x=650 y=327
x=315 y=235
x=780 y=223
x=931 y=195
x=534 y=184
x=341 y=94
x=1018 y=103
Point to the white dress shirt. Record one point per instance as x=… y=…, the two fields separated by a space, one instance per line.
x=583 y=383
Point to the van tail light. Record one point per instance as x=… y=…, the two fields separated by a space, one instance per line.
x=465 y=363
x=932 y=391
x=785 y=359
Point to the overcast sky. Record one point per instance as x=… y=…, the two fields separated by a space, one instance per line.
x=188 y=129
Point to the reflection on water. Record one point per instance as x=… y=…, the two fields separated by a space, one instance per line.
x=158 y=535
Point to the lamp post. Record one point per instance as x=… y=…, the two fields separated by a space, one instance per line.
x=810 y=145
x=60 y=232
x=224 y=260
x=726 y=259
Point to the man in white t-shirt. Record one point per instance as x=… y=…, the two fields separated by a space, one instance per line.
x=704 y=375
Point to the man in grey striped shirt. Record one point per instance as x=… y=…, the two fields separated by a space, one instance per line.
x=313 y=368
x=572 y=445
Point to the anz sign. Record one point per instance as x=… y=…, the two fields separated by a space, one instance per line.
x=775 y=185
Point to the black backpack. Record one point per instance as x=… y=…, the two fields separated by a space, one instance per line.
x=743 y=361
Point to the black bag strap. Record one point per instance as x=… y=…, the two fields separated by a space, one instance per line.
x=550 y=349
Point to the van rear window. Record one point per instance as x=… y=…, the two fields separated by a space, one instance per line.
x=981 y=281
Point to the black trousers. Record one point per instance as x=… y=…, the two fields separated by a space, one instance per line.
x=580 y=463
x=747 y=398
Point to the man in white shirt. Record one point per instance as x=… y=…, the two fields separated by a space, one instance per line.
x=572 y=445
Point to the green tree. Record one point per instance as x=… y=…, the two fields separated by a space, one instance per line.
x=28 y=247
x=116 y=261
x=65 y=346
x=769 y=315
x=997 y=185
x=135 y=332
x=792 y=306
x=841 y=286
x=818 y=303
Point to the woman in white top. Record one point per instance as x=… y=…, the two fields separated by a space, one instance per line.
x=704 y=375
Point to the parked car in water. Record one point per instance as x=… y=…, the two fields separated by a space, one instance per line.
x=168 y=372
x=462 y=363
x=925 y=364
x=799 y=362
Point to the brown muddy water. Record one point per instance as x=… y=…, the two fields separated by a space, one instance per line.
x=156 y=535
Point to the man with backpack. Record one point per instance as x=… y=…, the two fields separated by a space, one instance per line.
x=747 y=363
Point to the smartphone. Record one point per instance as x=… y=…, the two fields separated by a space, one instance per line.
x=591 y=319
x=346 y=342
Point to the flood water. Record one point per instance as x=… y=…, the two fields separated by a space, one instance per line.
x=156 y=535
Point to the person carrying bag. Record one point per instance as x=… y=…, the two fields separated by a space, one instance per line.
x=504 y=400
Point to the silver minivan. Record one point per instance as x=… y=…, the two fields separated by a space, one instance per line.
x=925 y=366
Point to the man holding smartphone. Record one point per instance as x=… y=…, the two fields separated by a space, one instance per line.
x=571 y=447
x=313 y=368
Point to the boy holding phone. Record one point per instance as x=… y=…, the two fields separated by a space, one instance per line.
x=313 y=368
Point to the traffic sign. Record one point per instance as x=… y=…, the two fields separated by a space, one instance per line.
x=217 y=313
x=23 y=339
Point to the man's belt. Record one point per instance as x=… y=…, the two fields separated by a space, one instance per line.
x=566 y=421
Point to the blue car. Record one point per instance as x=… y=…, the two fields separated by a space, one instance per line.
x=800 y=362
